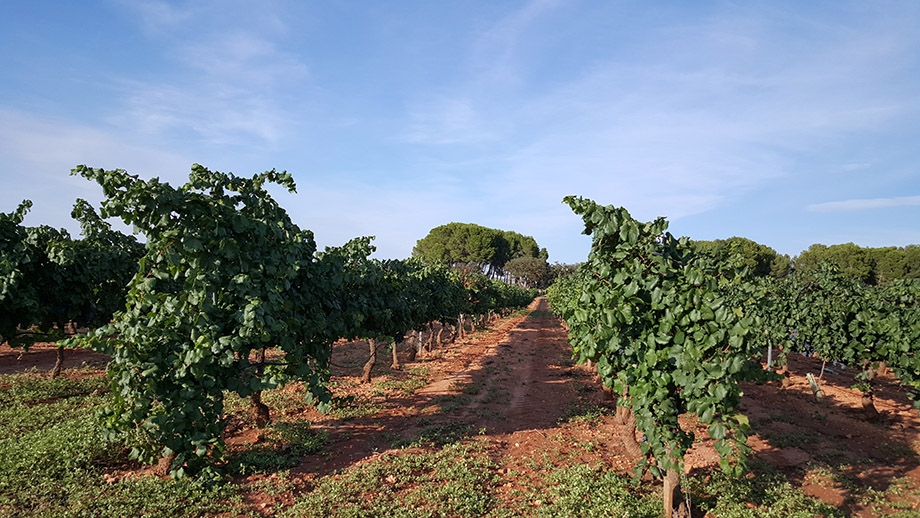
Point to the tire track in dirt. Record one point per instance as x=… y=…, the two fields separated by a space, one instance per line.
x=519 y=377
x=516 y=376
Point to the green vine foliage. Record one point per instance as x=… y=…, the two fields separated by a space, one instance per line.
x=19 y=304
x=48 y=280
x=902 y=300
x=824 y=312
x=93 y=272
x=376 y=298
x=441 y=294
x=383 y=298
x=666 y=327
x=226 y=274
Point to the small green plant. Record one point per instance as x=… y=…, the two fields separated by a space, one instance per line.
x=898 y=450
x=437 y=435
x=488 y=413
x=284 y=445
x=818 y=416
x=299 y=437
x=588 y=414
x=791 y=439
x=457 y=480
x=473 y=389
x=582 y=490
x=407 y=381
x=55 y=461
x=764 y=493
x=450 y=404
x=352 y=407
x=497 y=395
x=278 y=483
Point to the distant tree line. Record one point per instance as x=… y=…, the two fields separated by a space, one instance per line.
x=518 y=259
x=870 y=266
x=500 y=254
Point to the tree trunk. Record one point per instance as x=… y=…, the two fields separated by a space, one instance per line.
x=261 y=414
x=608 y=394
x=440 y=332
x=395 y=365
x=58 y=363
x=815 y=386
x=366 y=374
x=625 y=417
x=414 y=349
x=164 y=465
x=868 y=405
x=868 y=399
x=430 y=342
x=674 y=504
x=882 y=369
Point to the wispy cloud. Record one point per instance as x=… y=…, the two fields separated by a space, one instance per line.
x=496 y=57
x=721 y=115
x=865 y=204
x=709 y=112
x=227 y=83
x=157 y=16
x=54 y=146
x=449 y=121
x=38 y=153
x=215 y=113
x=473 y=111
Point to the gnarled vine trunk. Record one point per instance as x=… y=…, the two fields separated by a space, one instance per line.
x=261 y=414
x=627 y=420
x=58 y=363
x=868 y=398
x=366 y=373
x=674 y=504
x=164 y=465
x=416 y=348
x=395 y=365
x=461 y=332
x=440 y=332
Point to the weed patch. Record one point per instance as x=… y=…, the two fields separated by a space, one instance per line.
x=456 y=480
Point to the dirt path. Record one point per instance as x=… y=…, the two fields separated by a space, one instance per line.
x=516 y=377
x=41 y=357
x=516 y=385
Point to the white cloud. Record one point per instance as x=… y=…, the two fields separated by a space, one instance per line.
x=38 y=153
x=218 y=114
x=865 y=204
x=157 y=16
x=449 y=121
x=226 y=81
x=710 y=112
x=53 y=146
x=495 y=54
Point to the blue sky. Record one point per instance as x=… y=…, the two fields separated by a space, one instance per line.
x=786 y=122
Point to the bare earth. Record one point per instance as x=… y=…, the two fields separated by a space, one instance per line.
x=516 y=384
